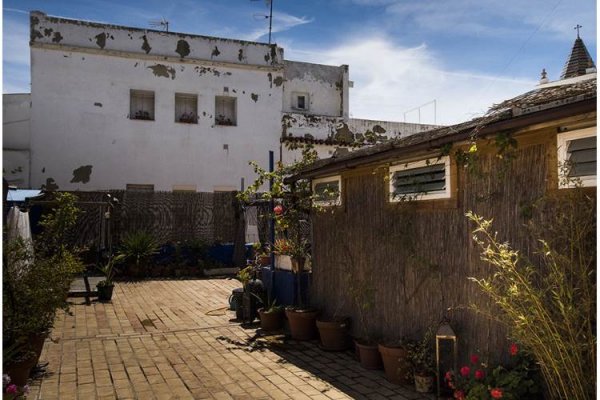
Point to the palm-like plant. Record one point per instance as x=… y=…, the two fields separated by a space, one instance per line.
x=137 y=247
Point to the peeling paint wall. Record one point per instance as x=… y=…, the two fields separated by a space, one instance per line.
x=70 y=130
x=324 y=85
x=16 y=115
x=48 y=30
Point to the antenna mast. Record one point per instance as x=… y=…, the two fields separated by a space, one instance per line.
x=162 y=24
x=270 y=16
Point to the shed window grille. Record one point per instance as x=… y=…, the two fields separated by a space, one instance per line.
x=140 y=187
x=577 y=158
x=225 y=110
x=327 y=191
x=186 y=108
x=420 y=180
x=141 y=105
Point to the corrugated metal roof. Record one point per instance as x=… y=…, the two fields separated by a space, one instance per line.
x=20 y=195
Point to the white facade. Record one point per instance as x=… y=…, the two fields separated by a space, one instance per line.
x=16 y=115
x=108 y=101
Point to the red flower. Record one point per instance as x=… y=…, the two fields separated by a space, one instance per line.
x=448 y=377
x=479 y=374
x=514 y=349
x=459 y=395
x=474 y=359
x=496 y=393
x=278 y=210
x=465 y=371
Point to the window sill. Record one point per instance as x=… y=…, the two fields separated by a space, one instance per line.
x=187 y=123
x=141 y=119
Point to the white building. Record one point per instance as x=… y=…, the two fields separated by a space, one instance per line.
x=114 y=107
x=16 y=115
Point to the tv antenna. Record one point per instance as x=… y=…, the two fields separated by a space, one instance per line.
x=163 y=24
x=268 y=3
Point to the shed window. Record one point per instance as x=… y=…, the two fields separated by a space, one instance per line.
x=300 y=101
x=577 y=158
x=327 y=191
x=225 y=110
x=141 y=104
x=420 y=180
x=140 y=187
x=186 y=108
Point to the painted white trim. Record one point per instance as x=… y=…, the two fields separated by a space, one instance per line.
x=445 y=194
x=562 y=140
x=329 y=203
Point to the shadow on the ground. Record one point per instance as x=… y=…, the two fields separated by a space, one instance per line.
x=339 y=370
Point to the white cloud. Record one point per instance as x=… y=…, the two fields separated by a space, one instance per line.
x=390 y=80
x=281 y=22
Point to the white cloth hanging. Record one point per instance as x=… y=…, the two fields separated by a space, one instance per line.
x=18 y=226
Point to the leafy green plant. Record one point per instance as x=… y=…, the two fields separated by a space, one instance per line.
x=108 y=270
x=550 y=306
x=138 y=247
x=477 y=381
x=421 y=355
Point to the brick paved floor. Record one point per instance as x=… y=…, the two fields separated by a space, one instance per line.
x=172 y=339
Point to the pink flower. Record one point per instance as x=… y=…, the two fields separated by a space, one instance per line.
x=448 y=376
x=514 y=349
x=459 y=395
x=479 y=374
x=496 y=393
x=465 y=371
x=26 y=389
x=474 y=359
x=278 y=210
x=11 y=389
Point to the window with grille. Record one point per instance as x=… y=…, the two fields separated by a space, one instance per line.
x=327 y=191
x=420 y=180
x=225 y=110
x=186 y=108
x=141 y=105
x=300 y=101
x=577 y=158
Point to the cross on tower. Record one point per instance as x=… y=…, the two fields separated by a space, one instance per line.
x=577 y=28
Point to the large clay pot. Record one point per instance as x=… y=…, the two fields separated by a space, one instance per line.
x=19 y=370
x=333 y=333
x=271 y=320
x=369 y=355
x=36 y=343
x=302 y=323
x=424 y=383
x=395 y=363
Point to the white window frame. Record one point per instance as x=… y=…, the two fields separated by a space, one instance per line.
x=138 y=96
x=445 y=194
x=184 y=103
x=328 y=203
x=562 y=141
x=233 y=119
x=295 y=96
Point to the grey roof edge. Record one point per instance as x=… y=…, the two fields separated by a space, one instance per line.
x=435 y=139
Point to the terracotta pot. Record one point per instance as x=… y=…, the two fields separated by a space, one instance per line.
x=298 y=264
x=424 y=383
x=369 y=355
x=395 y=363
x=271 y=321
x=333 y=334
x=264 y=261
x=302 y=323
x=19 y=370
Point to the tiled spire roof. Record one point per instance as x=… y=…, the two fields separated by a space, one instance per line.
x=579 y=60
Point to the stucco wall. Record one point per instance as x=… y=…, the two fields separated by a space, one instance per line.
x=16 y=114
x=324 y=85
x=80 y=118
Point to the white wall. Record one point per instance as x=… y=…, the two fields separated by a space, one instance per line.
x=16 y=114
x=80 y=117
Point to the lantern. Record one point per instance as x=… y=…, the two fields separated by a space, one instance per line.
x=446 y=354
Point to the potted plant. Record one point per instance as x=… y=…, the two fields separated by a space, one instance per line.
x=394 y=354
x=261 y=254
x=363 y=294
x=137 y=248
x=421 y=359
x=271 y=316
x=106 y=286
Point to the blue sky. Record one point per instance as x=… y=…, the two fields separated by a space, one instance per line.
x=464 y=54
